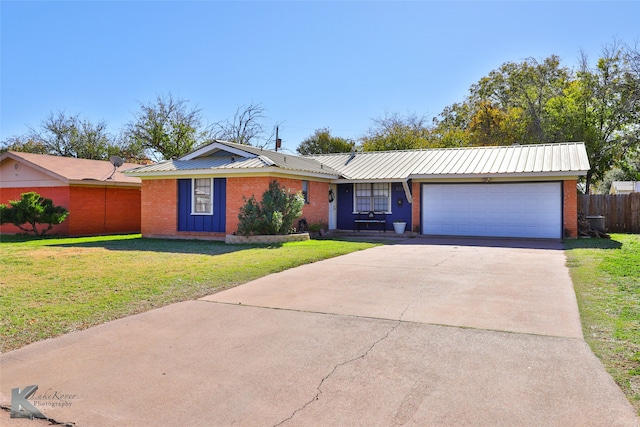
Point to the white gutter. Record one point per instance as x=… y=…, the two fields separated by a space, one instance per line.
x=226 y=172
x=552 y=174
x=103 y=183
x=357 y=181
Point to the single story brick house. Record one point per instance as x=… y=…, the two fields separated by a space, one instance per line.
x=511 y=191
x=99 y=200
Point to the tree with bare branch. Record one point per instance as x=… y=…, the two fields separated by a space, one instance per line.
x=71 y=136
x=249 y=127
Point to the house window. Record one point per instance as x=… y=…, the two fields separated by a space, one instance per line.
x=373 y=197
x=202 y=200
x=305 y=191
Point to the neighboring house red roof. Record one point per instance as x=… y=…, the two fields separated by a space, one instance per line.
x=71 y=170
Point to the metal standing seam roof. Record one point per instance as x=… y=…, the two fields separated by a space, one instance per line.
x=538 y=159
x=214 y=158
x=543 y=159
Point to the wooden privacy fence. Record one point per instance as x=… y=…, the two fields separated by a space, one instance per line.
x=621 y=211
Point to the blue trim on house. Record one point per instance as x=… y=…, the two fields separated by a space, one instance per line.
x=401 y=212
x=346 y=216
x=345 y=206
x=205 y=223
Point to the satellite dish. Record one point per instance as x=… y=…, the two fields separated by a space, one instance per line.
x=116 y=161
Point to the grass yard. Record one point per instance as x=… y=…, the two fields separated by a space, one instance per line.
x=49 y=287
x=606 y=277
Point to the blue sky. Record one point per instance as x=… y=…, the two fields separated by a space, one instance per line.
x=310 y=64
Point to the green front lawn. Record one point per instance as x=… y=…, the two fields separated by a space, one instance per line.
x=49 y=287
x=53 y=286
x=606 y=277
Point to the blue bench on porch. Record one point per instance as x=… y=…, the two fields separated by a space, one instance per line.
x=371 y=220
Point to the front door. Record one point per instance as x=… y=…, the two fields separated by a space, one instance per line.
x=333 y=207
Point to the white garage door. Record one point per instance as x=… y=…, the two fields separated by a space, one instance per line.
x=495 y=210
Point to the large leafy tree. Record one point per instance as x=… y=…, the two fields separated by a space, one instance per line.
x=542 y=101
x=508 y=106
x=609 y=108
x=601 y=107
x=322 y=142
x=396 y=132
x=166 y=128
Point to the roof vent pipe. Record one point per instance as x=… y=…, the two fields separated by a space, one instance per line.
x=352 y=155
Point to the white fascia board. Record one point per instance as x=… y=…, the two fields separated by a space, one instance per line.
x=363 y=181
x=215 y=147
x=511 y=176
x=94 y=182
x=175 y=174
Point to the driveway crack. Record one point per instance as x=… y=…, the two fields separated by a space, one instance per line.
x=339 y=365
x=335 y=368
x=51 y=421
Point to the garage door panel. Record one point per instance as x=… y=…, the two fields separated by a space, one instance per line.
x=499 y=210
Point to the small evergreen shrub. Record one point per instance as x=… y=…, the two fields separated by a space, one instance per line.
x=317 y=226
x=275 y=214
x=31 y=210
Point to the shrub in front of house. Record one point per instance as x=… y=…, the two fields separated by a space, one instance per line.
x=317 y=226
x=274 y=214
x=31 y=211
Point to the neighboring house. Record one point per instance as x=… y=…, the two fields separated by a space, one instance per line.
x=512 y=191
x=624 y=187
x=99 y=200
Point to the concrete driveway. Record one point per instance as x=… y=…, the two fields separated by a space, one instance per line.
x=433 y=332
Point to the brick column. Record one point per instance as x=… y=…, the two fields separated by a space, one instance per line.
x=570 y=208
x=415 y=206
x=159 y=207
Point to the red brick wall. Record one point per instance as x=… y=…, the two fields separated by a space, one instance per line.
x=59 y=195
x=86 y=207
x=104 y=210
x=159 y=203
x=317 y=210
x=159 y=207
x=238 y=187
x=570 y=208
